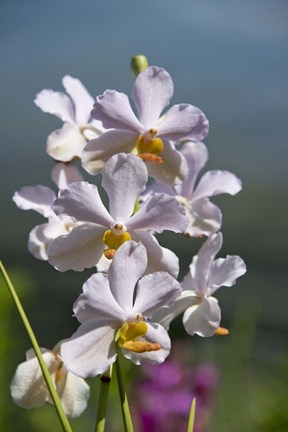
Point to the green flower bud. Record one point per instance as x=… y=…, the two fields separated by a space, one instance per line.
x=138 y=63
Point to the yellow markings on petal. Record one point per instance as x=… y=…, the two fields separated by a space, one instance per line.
x=114 y=239
x=221 y=331
x=129 y=333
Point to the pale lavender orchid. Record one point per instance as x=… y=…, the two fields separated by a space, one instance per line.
x=29 y=390
x=204 y=216
x=202 y=314
x=124 y=178
x=40 y=199
x=152 y=136
x=115 y=310
x=74 y=110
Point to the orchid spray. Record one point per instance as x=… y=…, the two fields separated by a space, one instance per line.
x=125 y=307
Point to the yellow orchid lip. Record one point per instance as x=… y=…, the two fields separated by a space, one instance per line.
x=128 y=336
x=114 y=239
x=149 y=147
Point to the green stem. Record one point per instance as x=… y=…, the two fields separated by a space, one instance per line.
x=63 y=419
x=191 y=420
x=105 y=380
x=128 y=426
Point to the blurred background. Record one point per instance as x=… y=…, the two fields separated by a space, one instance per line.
x=229 y=58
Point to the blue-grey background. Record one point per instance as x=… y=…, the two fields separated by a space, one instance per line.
x=227 y=57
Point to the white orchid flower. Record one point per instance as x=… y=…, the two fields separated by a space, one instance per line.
x=202 y=313
x=40 y=199
x=74 y=110
x=204 y=216
x=29 y=390
x=124 y=178
x=152 y=136
x=115 y=310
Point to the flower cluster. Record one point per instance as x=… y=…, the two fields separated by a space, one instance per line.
x=127 y=305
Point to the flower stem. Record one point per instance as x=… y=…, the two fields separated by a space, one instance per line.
x=63 y=419
x=128 y=425
x=105 y=380
x=190 y=426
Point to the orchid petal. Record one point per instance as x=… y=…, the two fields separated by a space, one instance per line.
x=196 y=155
x=80 y=249
x=217 y=182
x=63 y=174
x=184 y=122
x=113 y=109
x=151 y=93
x=205 y=218
x=91 y=349
x=225 y=271
x=82 y=100
x=173 y=169
x=82 y=201
x=159 y=258
x=128 y=265
x=154 y=291
x=166 y=315
x=97 y=301
x=156 y=187
x=56 y=103
x=160 y=212
x=103 y=264
x=123 y=173
x=42 y=235
x=155 y=334
x=188 y=282
x=99 y=150
x=37 y=198
x=28 y=388
x=203 y=319
x=74 y=393
x=66 y=143
x=199 y=268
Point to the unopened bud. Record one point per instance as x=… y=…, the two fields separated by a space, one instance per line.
x=138 y=64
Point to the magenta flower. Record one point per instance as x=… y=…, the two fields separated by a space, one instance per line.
x=165 y=393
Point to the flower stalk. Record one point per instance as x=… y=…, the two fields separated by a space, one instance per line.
x=191 y=420
x=128 y=425
x=61 y=415
x=105 y=381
